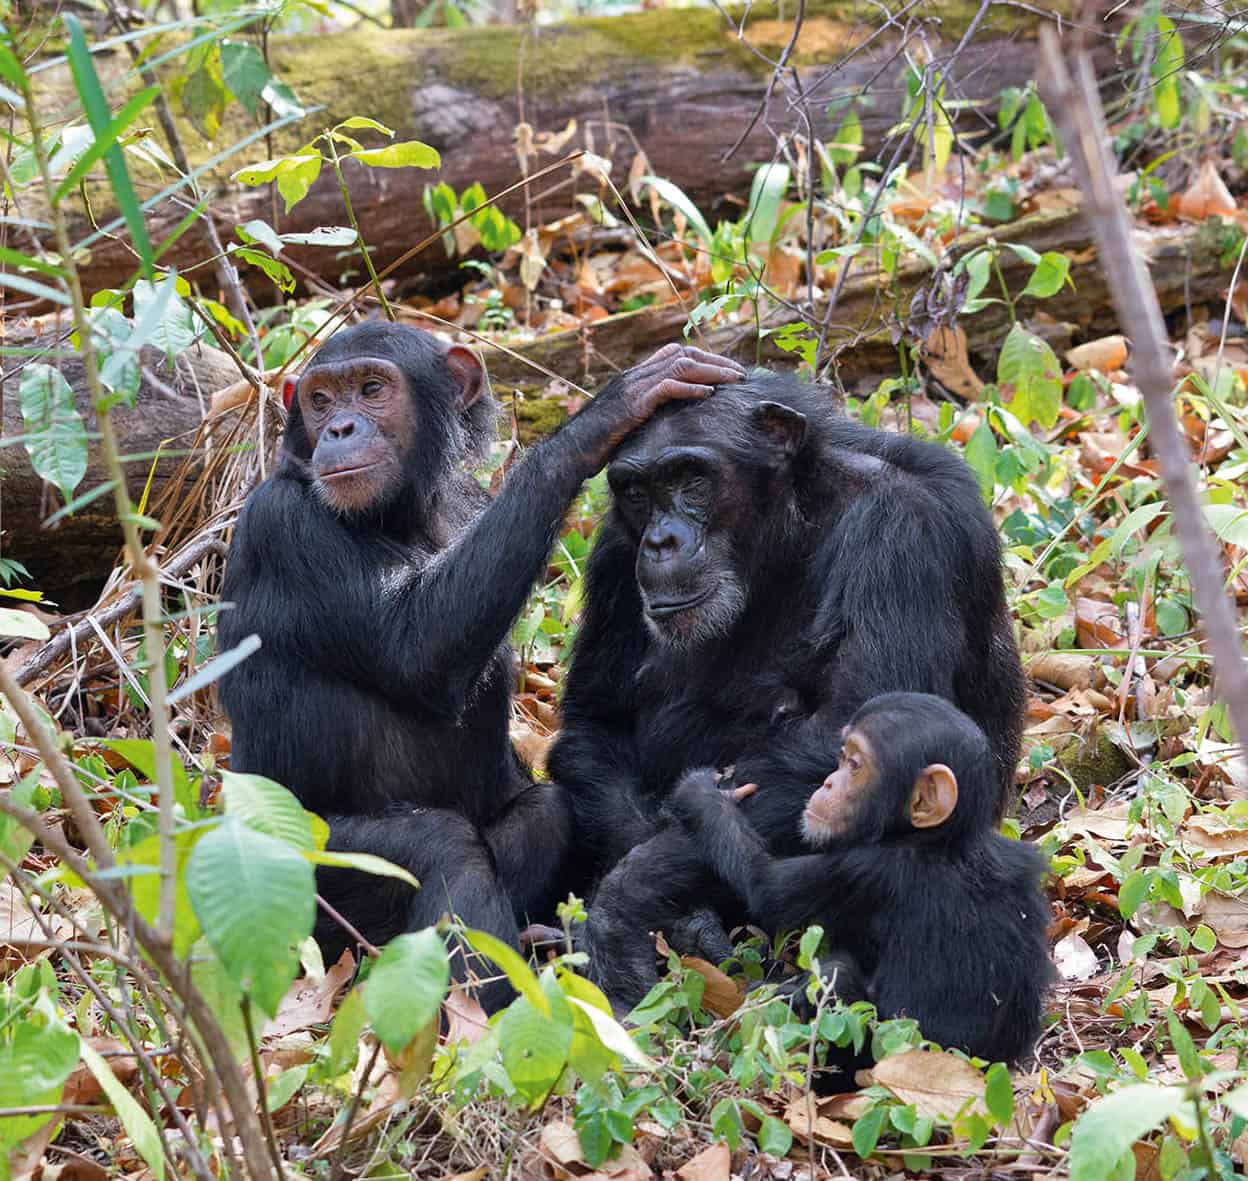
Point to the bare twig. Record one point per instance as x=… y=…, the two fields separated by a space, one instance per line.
x=1074 y=104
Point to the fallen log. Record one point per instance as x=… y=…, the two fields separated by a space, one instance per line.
x=70 y=560
x=680 y=85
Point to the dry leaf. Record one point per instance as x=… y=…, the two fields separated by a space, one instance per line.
x=1066 y=670
x=722 y=996
x=1109 y=823
x=1097 y=624
x=1213 y=832
x=311 y=1002
x=827 y=1129
x=1228 y=917
x=1074 y=958
x=711 y=1164
x=19 y=928
x=946 y=358
x=1207 y=197
x=466 y=1020
x=561 y=1149
x=940 y=1085
x=1106 y=353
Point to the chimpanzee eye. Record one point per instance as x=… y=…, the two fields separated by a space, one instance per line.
x=698 y=488
x=319 y=399
x=634 y=495
x=372 y=388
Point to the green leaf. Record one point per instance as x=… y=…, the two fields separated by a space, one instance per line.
x=612 y=1034
x=294 y=175
x=162 y=318
x=1189 y=1059
x=284 y=1088
x=512 y=964
x=261 y=232
x=254 y=896
x=127 y=115
x=1051 y=273
x=1229 y=522
x=224 y=998
x=1104 y=1133
x=34 y=288
x=1167 y=70
x=344 y=1035
x=137 y=1123
x=96 y=108
x=534 y=1049
x=267 y=807
x=406 y=986
x=22 y=624
x=279 y=272
x=244 y=73
x=999 y=1093
x=145 y=887
x=322 y=236
x=1031 y=367
x=362 y=123
x=677 y=200
x=774 y=1136
x=34 y=1064
x=55 y=438
x=411 y=154
x=865 y=1133
x=364 y=862
x=763 y=212
x=980 y=454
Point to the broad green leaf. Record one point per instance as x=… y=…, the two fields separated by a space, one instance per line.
x=96 y=107
x=127 y=115
x=411 y=154
x=266 y=807
x=612 y=1034
x=140 y=753
x=1031 y=367
x=364 y=862
x=254 y=896
x=512 y=964
x=763 y=212
x=981 y=457
x=222 y=995
x=774 y=1136
x=534 y=1049
x=279 y=272
x=34 y=1064
x=137 y=1123
x=56 y=439
x=322 y=236
x=120 y=371
x=15 y=839
x=363 y=123
x=344 y=1035
x=162 y=318
x=282 y=100
x=1229 y=522
x=145 y=888
x=999 y=1093
x=294 y=175
x=284 y=1088
x=259 y=231
x=406 y=987
x=244 y=73
x=1052 y=271
x=676 y=198
x=22 y=624
x=865 y=1133
x=1104 y=1133
x=1167 y=71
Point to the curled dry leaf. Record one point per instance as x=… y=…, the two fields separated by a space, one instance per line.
x=560 y=1148
x=1109 y=823
x=309 y=1002
x=711 y=1164
x=828 y=1130
x=1097 y=624
x=466 y=1020
x=1106 y=353
x=1212 y=832
x=20 y=930
x=722 y=996
x=1074 y=958
x=945 y=355
x=1228 y=917
x=939 y=1084
x=1208 y=196
x=1066 y=670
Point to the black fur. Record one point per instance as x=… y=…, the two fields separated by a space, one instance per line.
x=946 y=924
x=868 y=563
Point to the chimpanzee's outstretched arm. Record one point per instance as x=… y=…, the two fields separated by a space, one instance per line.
x=780 y=892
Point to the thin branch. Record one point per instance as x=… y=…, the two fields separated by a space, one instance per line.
x=1074 y=105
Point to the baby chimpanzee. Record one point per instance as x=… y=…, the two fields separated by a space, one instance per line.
x=930 y=912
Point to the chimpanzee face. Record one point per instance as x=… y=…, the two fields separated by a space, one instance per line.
x=837 y=804
x=693 y=487
x=359 y=419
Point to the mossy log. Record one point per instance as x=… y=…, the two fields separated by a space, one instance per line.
x=679 y=85
x=70 y=560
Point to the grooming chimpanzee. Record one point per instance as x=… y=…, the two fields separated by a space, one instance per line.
x=767 y=566
x=929 y=912
x=383 y=582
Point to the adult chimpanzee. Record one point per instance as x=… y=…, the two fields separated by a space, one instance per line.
x=767 y=566
x=929 y=912
x=383 y=582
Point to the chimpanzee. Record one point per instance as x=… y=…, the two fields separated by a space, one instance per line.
x=767 y=566
x=930 y=913
x=383 y=582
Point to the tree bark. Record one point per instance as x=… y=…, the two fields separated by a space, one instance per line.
x=679 y=85
x=70 y=560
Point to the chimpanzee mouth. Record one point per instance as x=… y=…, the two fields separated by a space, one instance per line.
x=658 y=610
x=347 y=471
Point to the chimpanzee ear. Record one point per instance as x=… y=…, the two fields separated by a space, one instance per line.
x=469 y=374
x=783 y=426
x=289 y=386
x=934 y=797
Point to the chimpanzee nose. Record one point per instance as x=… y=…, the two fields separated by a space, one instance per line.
x=660 y=542
x=341 y=428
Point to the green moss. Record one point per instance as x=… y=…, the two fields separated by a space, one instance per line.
x=1095 y=758
x=537 y=417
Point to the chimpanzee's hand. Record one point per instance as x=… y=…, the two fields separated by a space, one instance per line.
x=675 y=373
x=697 y=791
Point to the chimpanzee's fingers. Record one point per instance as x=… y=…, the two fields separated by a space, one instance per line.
x=710 y=372
x=740 y=793
x=713 y=359
x=670 y=390
x=538 y=934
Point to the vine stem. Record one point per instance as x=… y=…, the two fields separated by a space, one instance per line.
x=143 y=564
x=336 y=164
